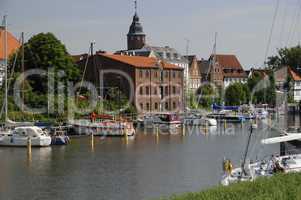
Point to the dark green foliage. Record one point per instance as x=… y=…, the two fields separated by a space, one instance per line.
x=236 y=94
x=207 y=95
x=286 y=57
x=278 y=187
x=45 y=51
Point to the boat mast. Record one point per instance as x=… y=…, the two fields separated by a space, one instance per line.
x=246 y=152
x=5 y=66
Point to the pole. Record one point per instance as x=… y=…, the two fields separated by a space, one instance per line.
x=22 y=67
x=5 y=65
x=246 y=151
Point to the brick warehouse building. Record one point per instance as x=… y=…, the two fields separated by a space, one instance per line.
x=157 y=85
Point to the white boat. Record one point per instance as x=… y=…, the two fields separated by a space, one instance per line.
x=19 y=137
x=198 y=120
x=251 y=171
x=264 y=168
x=108 y=128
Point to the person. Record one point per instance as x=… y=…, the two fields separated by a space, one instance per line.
x=93 y=117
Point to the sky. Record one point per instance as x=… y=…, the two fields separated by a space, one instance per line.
x=243 y=26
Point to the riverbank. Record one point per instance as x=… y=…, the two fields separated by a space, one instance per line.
x=280 y=187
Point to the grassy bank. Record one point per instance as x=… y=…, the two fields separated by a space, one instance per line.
x=279 y=187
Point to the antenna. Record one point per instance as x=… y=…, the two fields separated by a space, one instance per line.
x=5 y=64
x=135 y=6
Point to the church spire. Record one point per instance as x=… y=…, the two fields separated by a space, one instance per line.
x=136 y=37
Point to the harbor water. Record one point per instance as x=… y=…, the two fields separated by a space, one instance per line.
x=149 y=166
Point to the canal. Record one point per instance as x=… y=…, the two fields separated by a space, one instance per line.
x=148 y=166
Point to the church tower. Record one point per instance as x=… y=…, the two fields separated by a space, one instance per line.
x=136 y=37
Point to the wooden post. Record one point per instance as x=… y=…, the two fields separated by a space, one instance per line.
x=92 y=142
x=29 y=149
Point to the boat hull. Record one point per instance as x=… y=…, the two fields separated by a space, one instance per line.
x=12 y=141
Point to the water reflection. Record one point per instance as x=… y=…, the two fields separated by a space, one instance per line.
x=150 y=165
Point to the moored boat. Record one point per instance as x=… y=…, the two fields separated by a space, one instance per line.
x=19 y=137
x=108 y=128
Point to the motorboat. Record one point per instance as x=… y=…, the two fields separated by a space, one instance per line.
x=19 y=137
x=198 y=120
x=163 y=120
x=226 y=115
x=109 y=128
x=58 y=136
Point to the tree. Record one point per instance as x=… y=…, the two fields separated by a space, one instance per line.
x=206 y=95
x=266 y=93
x=286 y=57
x=236 y=94
x=45 y=51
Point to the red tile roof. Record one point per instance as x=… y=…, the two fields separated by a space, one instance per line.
x=228 y=61
x=12 y=43
x=141 y=62
x=294 y=75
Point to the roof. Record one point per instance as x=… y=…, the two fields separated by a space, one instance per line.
x=228 y=61
x=12 y=43
x=295 y=76
x=141 y=62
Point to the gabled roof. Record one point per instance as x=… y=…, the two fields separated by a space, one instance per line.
x=294 y=75
x=141 y=62
x=228 y=61
x=12 y=43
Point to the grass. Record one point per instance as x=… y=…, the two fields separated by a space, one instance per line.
x=278 y=187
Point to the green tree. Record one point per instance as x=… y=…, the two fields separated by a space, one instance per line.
x=236 y=94
x=286 y=57
x=206 y=95
x=45 y=51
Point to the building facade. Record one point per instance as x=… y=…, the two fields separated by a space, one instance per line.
x=232 y=70
x=194 y=73
x=151 y=84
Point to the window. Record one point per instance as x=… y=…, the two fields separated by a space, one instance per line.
x=146 y=73
x=168 y=55
x=166 y=74
x=155 y=91
x=174 y=105
x=179 y=74
x=147 y=107
x=156 y=106
x=141 y=106
x=147 y=90
x=174 y=74
x=140 y=73
x=166 y=105
x=174 y=89
x=141 y=91
x=166 y=90
x=156 y=74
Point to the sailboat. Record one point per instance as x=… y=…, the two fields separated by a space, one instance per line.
x=263 y=168
x=18 y=133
